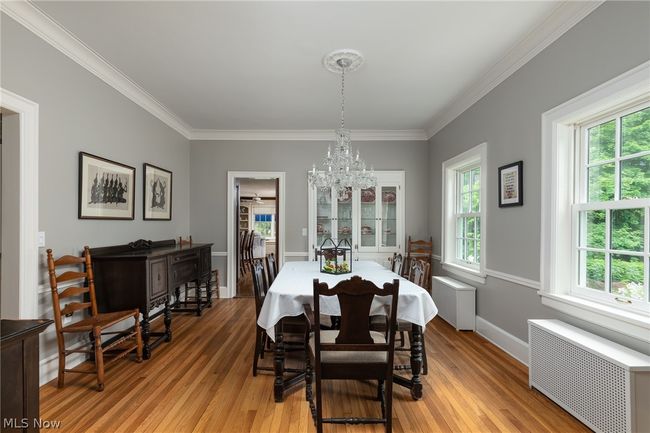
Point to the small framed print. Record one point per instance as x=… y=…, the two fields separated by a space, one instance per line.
x=157 y=193
x=106 y=189
x=511 y=184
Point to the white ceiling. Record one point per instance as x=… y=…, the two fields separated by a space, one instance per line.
x=261 y=187
x=257 y=65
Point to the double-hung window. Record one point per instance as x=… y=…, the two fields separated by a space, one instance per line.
x=611 y=212
x=468 y=216
x=463 y=228
x=595 y=237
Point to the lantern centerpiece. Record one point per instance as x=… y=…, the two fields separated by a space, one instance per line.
x=335 y=258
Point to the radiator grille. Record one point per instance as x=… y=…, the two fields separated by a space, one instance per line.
x=592 y=388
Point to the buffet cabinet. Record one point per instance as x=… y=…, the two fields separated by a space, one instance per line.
x=372 y=219
x=147 y=275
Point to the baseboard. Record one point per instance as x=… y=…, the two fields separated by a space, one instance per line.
x=507 y=342
x=49 y=367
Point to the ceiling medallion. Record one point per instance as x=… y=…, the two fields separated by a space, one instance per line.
x=347 y=59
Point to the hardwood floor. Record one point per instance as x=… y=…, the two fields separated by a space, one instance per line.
x=202 y=382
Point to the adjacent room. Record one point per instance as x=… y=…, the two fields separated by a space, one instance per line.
x=325 y=216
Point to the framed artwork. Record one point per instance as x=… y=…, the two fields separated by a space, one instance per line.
x=511 y=184
x=106 y=189
x=157 y=193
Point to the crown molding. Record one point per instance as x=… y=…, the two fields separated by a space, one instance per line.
x=564 y=17
x=306 y=135
x=39 y=23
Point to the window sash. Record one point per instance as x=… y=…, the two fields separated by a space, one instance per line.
x=582 y=204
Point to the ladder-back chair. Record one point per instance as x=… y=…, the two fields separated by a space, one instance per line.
x=422 y=250
x=94 y=324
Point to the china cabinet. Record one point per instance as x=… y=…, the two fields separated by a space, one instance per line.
x=372 y=219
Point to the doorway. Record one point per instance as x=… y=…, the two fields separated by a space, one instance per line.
x=20 y=264
x=256 y=214
x=256 y=226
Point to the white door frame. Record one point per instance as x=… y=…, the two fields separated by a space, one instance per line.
x=232 y=256
x=28 y=193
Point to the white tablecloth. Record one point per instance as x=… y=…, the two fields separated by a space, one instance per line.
x=293 y=287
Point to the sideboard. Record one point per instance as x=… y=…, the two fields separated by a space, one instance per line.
x=146 y=275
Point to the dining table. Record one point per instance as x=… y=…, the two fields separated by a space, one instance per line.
x=293 y=288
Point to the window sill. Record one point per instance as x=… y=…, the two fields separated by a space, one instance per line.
x=463 y=272
x=634 y=325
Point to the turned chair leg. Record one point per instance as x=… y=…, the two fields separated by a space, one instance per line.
x=425 y=367
x=99 y=358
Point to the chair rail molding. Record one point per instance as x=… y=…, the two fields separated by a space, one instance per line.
x=514 y=279
x=28 y=195
x=561 y=19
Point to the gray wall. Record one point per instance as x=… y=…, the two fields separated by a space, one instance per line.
x=611 y=40
x=211 y=161
x=79 y=112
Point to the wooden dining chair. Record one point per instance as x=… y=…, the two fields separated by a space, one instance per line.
x=271 y=268
x=396 y=263
x=355 y=352
x=417 y=275
x=251 y=246
x=184 y=242
x=243 y=258
x=418 y=272
x=260 y=287
x=294 y=328
x=94 y=324
x=422 y=250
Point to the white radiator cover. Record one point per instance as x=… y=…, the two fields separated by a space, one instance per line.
x=603 y=384
x=456 y=302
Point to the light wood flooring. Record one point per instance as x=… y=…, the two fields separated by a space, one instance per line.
x=202 y=382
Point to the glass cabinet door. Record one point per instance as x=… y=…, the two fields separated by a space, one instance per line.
x=369 y=218
x=388 y=216
x=323 y=215
x=344 y=216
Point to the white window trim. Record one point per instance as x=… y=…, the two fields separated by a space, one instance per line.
x=558 y=162
x=474 y=156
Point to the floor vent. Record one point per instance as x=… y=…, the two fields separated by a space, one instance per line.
x=603 y=384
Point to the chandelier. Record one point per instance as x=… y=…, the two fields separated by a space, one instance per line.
x=341 y=169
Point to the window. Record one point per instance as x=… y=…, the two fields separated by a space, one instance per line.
x=464 y=214
x=468 y=215
x=265 y=225
x=611 y=210
x=596 y=205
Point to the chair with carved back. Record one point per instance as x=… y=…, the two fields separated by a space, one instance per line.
x=79 y=269
x=422 y=250
x=271 y=268
x=417 y=275
x=292 y=326
x=354 y=352
x=397 y=263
